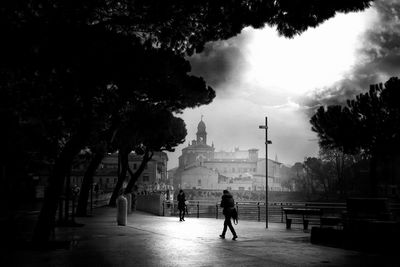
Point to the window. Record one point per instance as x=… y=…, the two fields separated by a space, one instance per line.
x=146 y=178
x=145 y=166
x=134 y=166
x=233 y=169
x=107 y=180
x=199 y=182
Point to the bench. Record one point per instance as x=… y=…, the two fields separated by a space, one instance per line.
x=332 y=213
x=304 y=212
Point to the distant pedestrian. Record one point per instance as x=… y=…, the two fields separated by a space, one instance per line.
x=181 y=205
x=228 y=205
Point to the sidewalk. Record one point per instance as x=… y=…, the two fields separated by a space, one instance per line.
x=150 y=240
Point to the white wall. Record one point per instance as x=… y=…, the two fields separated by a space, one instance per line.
x=191 y=177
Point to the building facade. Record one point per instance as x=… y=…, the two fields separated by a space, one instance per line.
x=201 y=167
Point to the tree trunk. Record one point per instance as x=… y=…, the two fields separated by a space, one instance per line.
x=54 y=189
x=373 y=176
x=134 y=176
x=87 y=182
x=337 y=160
x=67 y=194
x=342 y=182
x=326 y=184
x=123 y=157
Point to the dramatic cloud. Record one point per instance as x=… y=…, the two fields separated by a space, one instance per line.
x=221 y=62
x=378 y=57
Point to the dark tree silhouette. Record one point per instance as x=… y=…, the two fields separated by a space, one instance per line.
x=79 y=111
x=87 y=181
x=172 y=132
x=148 y=128
x=147 y=156
x=185 y=26
x=368 y=124
x=144 y=127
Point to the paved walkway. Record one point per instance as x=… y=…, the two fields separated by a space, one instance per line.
x=150 y=240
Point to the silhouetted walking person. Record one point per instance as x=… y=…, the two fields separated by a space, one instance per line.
x=228 y=205
x=181 y=205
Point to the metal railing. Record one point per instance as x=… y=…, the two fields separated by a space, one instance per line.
x=252 y=210
x=67 y=207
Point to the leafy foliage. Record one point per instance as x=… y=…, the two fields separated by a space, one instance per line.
x=185 y=26
x=331 y=175
x=370 y=123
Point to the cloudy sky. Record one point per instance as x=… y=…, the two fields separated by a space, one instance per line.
x=259 y=73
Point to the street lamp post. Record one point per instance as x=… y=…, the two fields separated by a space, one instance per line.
x=267 y=142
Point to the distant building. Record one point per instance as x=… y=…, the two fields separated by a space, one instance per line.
x=199 y=177
x=201 y=167
x=153 y=177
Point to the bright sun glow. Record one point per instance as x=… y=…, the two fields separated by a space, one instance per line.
x=317 y=58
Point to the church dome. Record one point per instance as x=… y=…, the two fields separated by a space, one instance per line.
x=201 y=127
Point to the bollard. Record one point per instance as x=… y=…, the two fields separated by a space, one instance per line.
x=129 y=202
x=122 y=212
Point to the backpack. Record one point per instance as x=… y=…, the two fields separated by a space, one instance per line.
x=235 y=216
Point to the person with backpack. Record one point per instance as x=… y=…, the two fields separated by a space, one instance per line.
x=228 y=205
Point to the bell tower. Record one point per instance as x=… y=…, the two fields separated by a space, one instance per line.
x=201 y=132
